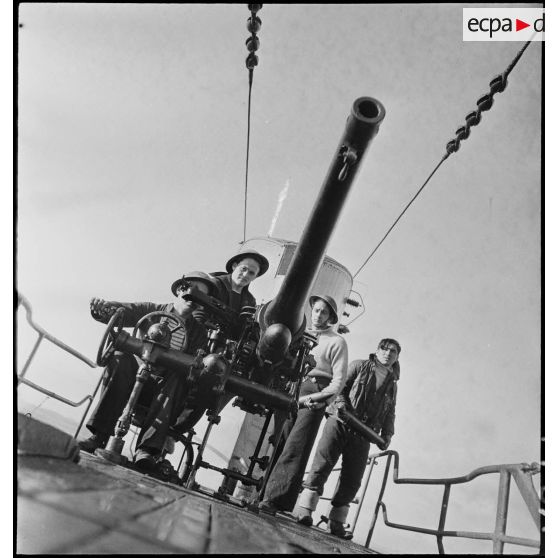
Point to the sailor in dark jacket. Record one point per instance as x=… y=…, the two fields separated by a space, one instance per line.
x=369 y=394
x=242 y=269
x=232 y=290
x=163 y=393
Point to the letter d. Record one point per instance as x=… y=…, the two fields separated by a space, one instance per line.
x=538 y=22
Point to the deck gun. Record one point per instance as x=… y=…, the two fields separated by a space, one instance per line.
x=265 y=364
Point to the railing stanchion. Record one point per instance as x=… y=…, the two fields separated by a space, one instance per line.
x=501 y=512
x=378 y=501
x=443 y=514
x=89 y=405
x=30 y=358
x=372 y=462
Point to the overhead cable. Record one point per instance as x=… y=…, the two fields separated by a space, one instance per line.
x=497 y=85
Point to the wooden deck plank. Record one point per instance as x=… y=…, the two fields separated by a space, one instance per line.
x=184 y=524
x=107 y=507
x=43 y=530
x=115 y=542
x=237 y=531
x=51 y=474
x=319 y=539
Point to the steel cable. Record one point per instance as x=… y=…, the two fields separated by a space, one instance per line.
x=497 y=85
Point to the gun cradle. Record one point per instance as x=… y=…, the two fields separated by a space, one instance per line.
x=212 y=373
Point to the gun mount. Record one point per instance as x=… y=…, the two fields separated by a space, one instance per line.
x=264 y=364
x=215 y=366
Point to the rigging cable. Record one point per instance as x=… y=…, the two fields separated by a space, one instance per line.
x=497 y=85
x=253 y=24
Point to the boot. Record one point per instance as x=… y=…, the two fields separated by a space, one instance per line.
x=98 y=440
x=269 y=507
x=145 y=459
x=307 y=502
x=337 y=518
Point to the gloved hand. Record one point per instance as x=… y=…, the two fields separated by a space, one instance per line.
x=101 y=310
x=385 y=445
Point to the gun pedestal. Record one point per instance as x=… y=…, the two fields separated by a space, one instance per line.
x=246 y=479
x=113 y=451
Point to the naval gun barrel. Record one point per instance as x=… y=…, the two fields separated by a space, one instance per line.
x=287 y=307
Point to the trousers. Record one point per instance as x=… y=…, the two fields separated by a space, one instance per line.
x=162 y=395
x=285 y=480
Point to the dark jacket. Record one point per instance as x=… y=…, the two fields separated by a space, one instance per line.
x=376 y=408
x=134 y=311
x=235 y=301
x=226 y=295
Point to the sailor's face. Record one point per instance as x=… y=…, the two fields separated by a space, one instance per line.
x=320 y=314
x=244 y=272
x=387 y=354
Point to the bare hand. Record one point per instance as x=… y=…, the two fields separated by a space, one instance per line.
x=309 y=403
x=385 y=445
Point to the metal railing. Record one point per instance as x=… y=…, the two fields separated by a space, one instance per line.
x=43 y=334
x=521 y=473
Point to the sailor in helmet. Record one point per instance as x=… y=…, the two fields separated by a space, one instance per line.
x=120 y=373
x=232 y=290
x=320 y=386
x=232 y=285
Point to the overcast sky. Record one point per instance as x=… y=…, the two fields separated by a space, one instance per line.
x=132 y=139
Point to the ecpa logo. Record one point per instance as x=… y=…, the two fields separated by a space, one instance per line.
x=503 y=24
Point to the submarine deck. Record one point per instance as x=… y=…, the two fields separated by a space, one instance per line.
x=97 y=507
